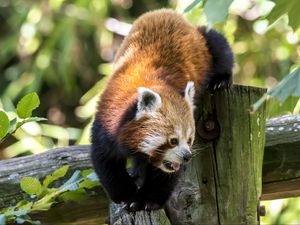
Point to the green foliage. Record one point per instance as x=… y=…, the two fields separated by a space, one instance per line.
x=289 y=86
x=27 y=104
x=61 y=172
x=290 y=7
x=192 y=6
x=216 y=10
x=74 y=189
x=4 y=124
x=31 y=186
x=24 y=112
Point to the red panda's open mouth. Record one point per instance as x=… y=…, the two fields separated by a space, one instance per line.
x=172 y=166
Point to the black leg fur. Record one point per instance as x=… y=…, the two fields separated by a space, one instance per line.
x=155 y=191
x=220 y=74
x=110 y=166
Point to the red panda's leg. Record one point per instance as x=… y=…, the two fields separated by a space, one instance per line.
x=110 y=166
x=156 y=190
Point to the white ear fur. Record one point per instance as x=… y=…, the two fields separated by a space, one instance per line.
x=189 y=93
x=148 y=101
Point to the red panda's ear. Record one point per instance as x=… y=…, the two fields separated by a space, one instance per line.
x=148 y=101
x=189 y=93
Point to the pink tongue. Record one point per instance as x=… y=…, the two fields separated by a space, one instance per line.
x=175 y=166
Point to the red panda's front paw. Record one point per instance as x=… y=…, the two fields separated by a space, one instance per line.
x=135 y=206
x=148 y=206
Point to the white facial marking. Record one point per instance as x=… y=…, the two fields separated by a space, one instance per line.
x=152 y=142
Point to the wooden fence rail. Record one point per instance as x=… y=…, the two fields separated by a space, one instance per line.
x=280 y=174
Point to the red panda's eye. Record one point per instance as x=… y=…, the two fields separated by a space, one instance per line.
x=189 y=141
x=174 y=141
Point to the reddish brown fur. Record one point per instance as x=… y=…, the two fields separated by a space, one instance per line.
x=162 y=52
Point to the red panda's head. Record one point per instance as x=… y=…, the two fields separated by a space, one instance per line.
x=163 y=128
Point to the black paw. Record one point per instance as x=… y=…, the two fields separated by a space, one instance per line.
x=148 y=206
x=135 y=206
x=217 y=82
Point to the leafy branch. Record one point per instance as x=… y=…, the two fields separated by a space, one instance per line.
x=24 y=111
x=43 y=197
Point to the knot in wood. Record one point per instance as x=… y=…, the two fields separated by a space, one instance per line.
x=208 y=128
x=209 y=125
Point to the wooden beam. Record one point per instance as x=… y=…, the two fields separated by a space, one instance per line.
x=281 y=169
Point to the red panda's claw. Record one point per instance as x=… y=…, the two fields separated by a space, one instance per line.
x=135 y=206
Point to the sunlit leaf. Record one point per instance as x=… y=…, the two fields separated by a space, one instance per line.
x=27 y=104
x=192 y=5
x=4 y=124
x=31 y=185
x=216 y=10
x=55 y=175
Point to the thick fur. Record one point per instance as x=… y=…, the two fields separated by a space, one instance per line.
x=163 y=53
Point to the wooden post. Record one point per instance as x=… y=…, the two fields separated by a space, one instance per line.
x=222 y=185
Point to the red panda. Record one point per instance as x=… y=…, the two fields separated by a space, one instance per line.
x=146 y=111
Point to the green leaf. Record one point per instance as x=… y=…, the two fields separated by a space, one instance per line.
x=55 y=175
x=291 y=7
x=191 y=6
x=93 y=176
x=72 y=183
x=27 y=104
x=12 y=125
x=87 y=172
x=2 y=219
x=24 y=205
x=74 y=196
x=31 y=185
x=216 y=10
x=42 y=206
x=4 y=124
x=88 y=184
x=289 y=86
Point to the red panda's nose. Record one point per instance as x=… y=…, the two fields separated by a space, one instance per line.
x=187 y=155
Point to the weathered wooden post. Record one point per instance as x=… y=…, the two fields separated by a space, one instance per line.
x=223 y=183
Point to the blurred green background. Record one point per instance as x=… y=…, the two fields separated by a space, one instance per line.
x=63 y=50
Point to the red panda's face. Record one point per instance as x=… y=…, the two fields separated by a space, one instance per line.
x=163 y=129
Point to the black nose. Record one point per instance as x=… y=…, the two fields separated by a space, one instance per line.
x=187 y=155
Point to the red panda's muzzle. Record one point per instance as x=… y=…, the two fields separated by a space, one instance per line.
x=172 y=166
